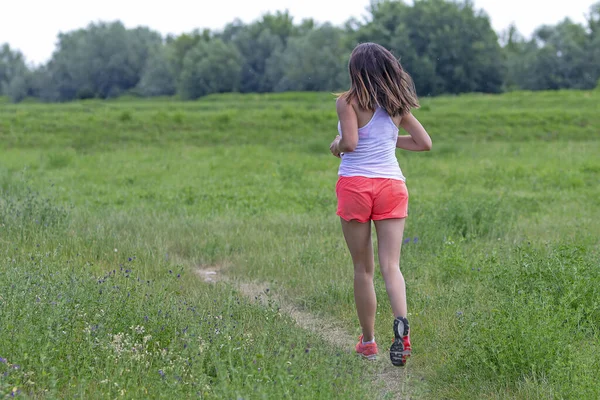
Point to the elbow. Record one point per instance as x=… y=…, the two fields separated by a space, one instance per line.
x=426 y=144
x=348 y=147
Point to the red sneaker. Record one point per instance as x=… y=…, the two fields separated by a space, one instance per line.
x=400 y=350
x=367 y=350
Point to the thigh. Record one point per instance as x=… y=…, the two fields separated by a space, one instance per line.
x=358 y=239
x=389 y=240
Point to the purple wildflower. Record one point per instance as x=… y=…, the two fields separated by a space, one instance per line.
x=179 y=275
x=161 y=372
x=416 y=240
x=2 y=360
x=407 y=241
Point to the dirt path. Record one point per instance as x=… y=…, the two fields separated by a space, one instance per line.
x=396 y=382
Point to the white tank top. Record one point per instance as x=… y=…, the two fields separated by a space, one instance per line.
x=375 y=154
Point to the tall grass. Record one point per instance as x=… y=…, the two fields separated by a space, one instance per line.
x=107 y=209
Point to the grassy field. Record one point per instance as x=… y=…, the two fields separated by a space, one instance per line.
x=108 y=208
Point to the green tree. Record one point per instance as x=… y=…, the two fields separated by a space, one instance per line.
x=19 y=87
x=178 y=47
x=316 y=61
x=259 y=44
x=257 y=47
x=519 y=57
x=280 y=24
x=210 y=67
x=593 y=19
x=14 y=74
x=561 y=56
x=103 y=60
x=593 y=47
x=157 y=77
x=448 y=47
x=561 y=59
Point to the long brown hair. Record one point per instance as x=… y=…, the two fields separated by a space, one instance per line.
x=377 y=78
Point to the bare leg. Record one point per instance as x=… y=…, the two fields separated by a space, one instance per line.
x=389 y=239
x=358 y=239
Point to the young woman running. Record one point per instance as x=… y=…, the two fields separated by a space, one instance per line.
x=371 y=186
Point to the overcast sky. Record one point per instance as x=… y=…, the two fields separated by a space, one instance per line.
x=32 y=26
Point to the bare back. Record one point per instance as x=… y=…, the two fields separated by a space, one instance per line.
x=364 y=116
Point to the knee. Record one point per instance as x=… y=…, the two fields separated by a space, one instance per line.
x=389 y=268
x=363 y=272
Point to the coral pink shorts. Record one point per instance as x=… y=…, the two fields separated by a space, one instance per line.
x=364 y=199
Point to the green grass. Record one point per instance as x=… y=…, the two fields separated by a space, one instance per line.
x=501 y=267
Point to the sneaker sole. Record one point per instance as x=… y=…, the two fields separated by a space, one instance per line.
x=372 y=357
x=398 y=355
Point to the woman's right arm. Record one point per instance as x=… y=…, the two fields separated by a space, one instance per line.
x=417 y=139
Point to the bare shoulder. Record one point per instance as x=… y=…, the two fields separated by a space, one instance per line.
x=398 y=119
x=407 y=119
x=343 y=106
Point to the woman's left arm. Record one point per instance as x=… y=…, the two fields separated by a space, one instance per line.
x=349 y=124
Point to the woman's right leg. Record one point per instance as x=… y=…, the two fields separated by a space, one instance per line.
x=358 y=239
x=389 y=241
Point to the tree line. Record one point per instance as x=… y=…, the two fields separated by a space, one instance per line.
x=449 y=47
